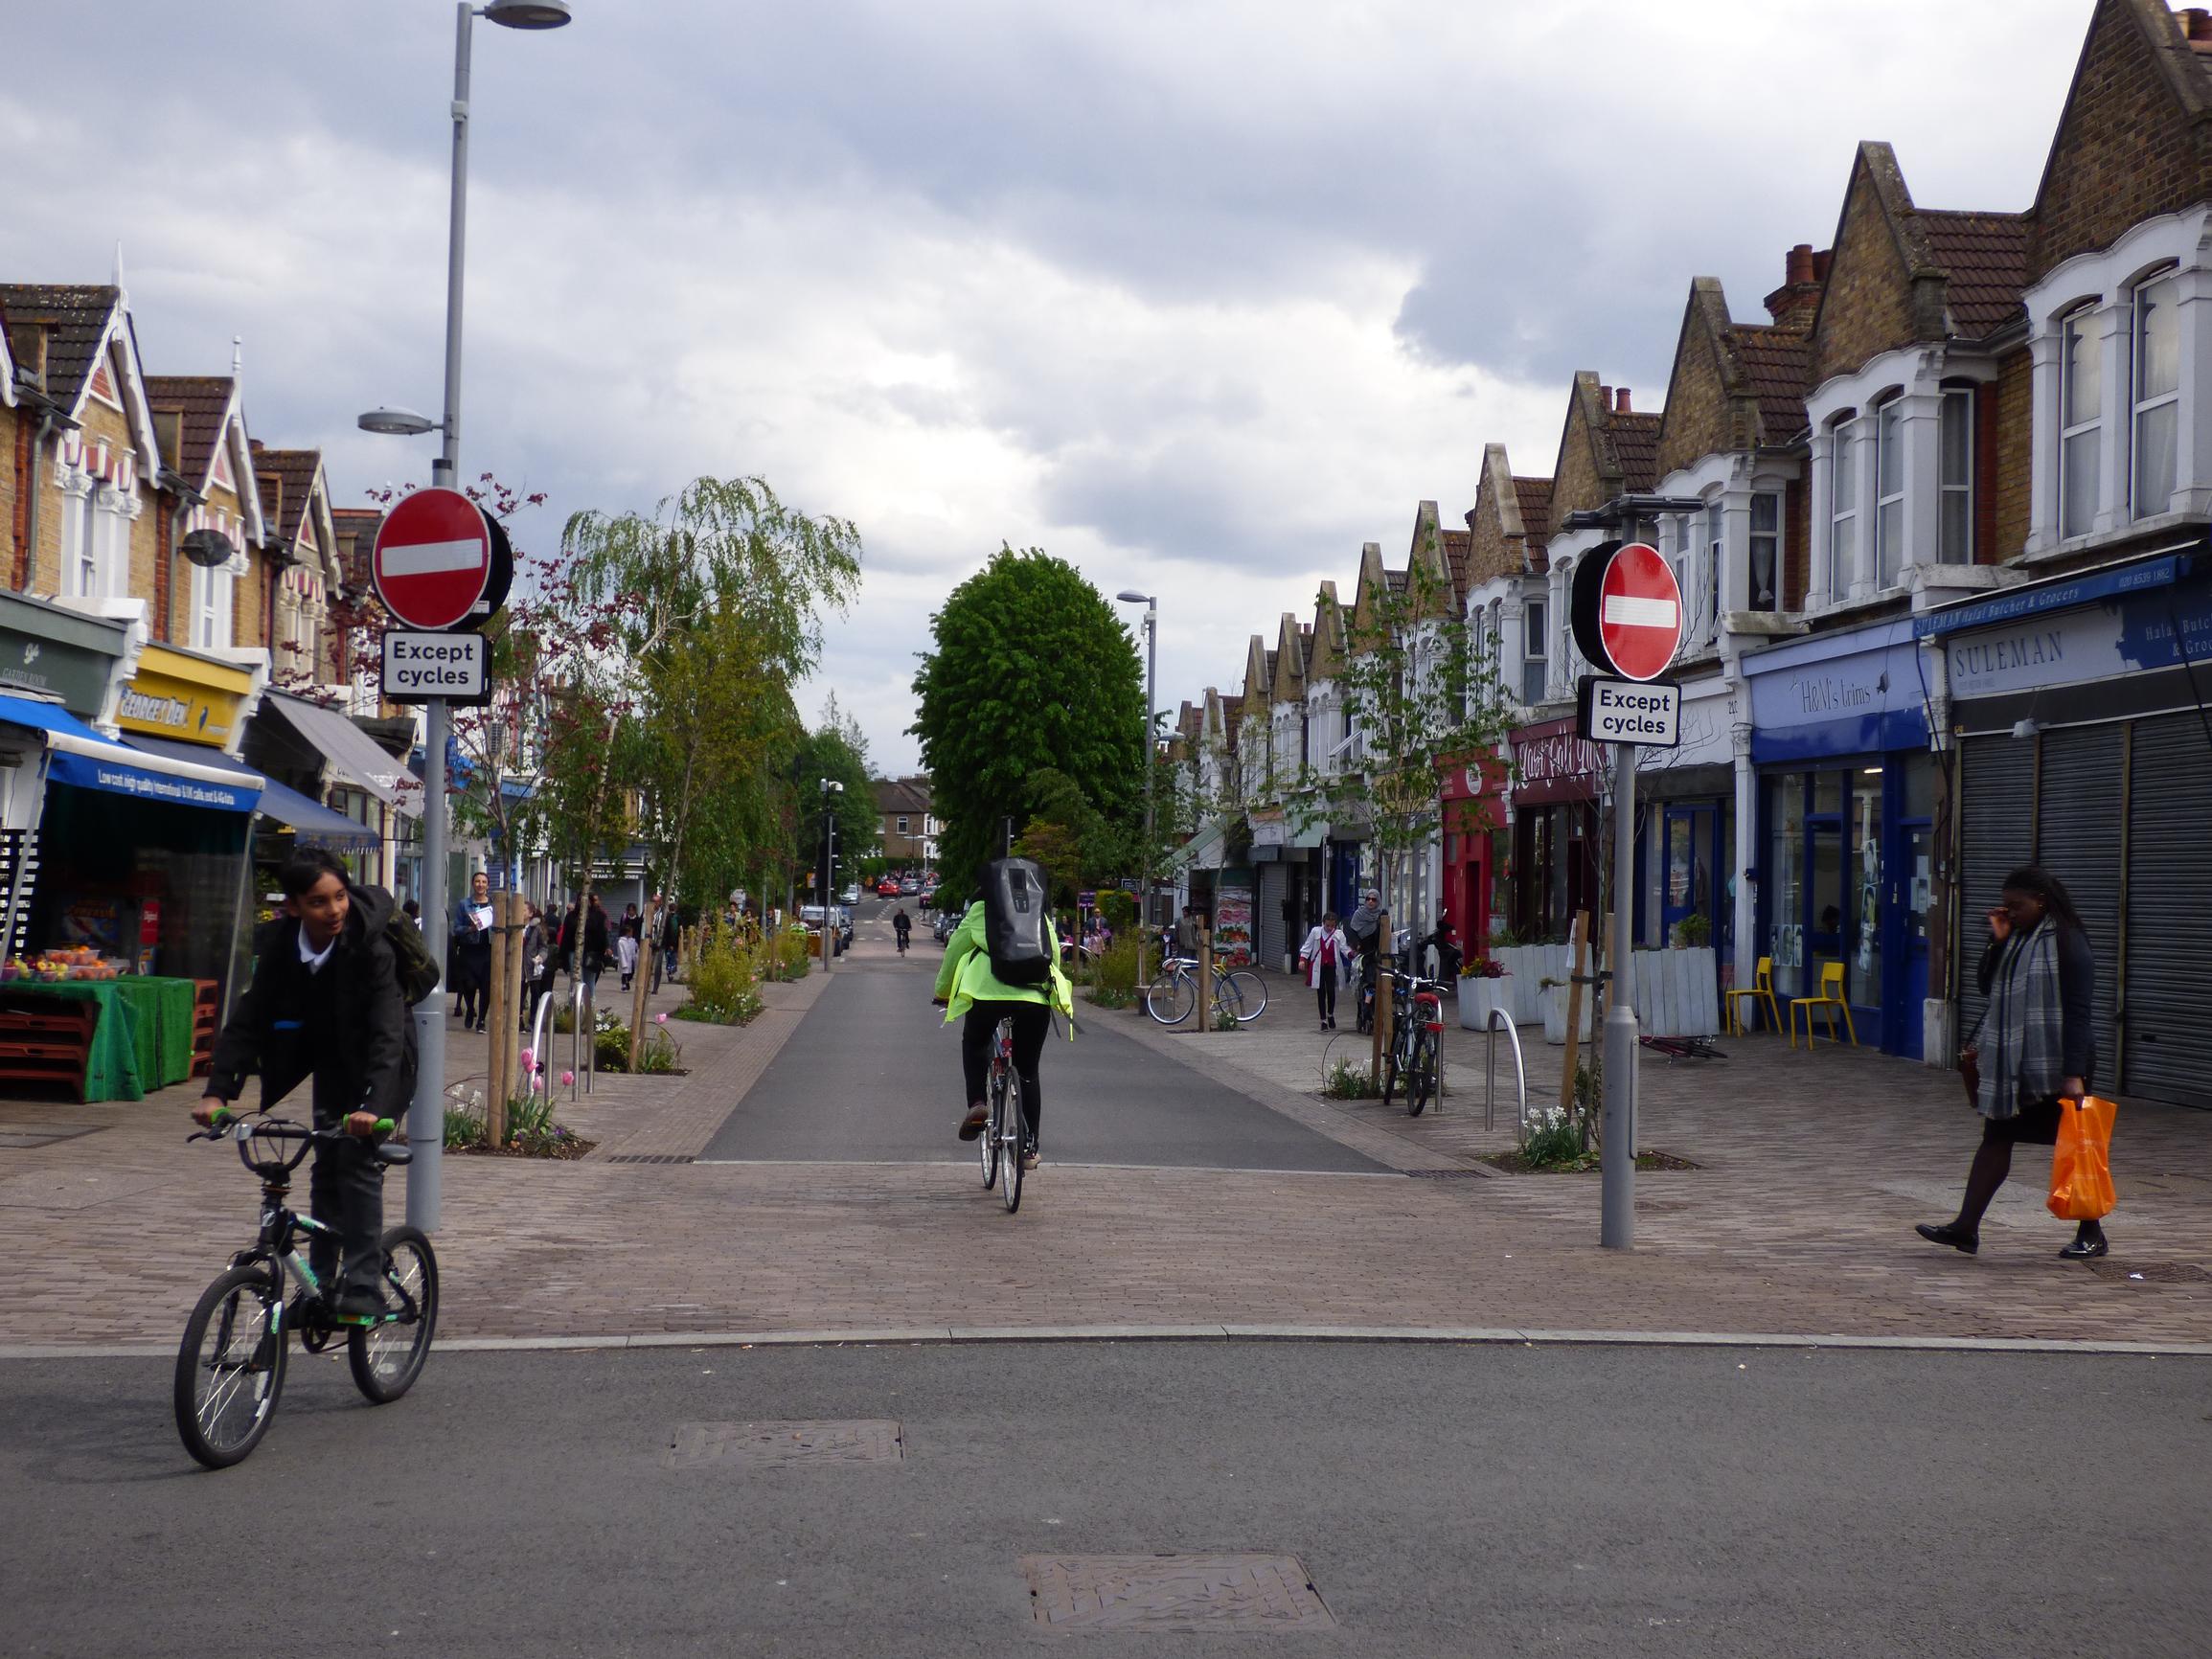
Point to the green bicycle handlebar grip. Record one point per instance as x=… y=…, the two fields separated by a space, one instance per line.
x=385 y=1126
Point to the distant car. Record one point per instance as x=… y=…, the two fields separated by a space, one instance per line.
x=887 y=888
x=909 y=887
x=852 y=893
x=941 y=928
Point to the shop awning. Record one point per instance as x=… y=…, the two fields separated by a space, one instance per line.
x=353 y=754
x=80 y=756
x=312 y=824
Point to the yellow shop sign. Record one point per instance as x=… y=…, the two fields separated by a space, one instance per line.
x=190 y=698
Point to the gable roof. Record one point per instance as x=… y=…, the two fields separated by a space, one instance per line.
x=1458 y=550
x=1532 y=496
x=1326 y=650
x=286 y=479
x=1774 y=361
x=1984 y=259
x=1634 y=441
x=356 y=531
x=897 y=795
x=75 y=317
x=204 y=401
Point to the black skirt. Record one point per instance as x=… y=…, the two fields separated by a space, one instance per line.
x=2036 y=1126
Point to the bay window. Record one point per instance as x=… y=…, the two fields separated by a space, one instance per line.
x=2081 y=393
x=2154 y=354
x=1534 y=637
x=1766 y=586
x=1842 y=506
x=1954 y=516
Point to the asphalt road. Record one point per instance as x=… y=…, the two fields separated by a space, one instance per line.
x=1461 y=1501
x=873 y=1074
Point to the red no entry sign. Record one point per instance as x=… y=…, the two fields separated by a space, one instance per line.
x=433 y=556
x=1639 y=612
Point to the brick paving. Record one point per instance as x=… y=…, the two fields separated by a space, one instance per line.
x=1814 y=1169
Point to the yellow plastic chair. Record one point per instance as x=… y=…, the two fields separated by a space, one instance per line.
x=1830 y=999
x=1760 y=990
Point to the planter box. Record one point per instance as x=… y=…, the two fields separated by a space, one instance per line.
x=1526 y=965
x=1478 y=996
x=1555 y=1014
x=1676 y=993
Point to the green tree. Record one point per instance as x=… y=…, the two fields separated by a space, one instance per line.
x=834 y=750
x=1032 y=673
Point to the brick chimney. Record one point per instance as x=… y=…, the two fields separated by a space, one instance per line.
x=1803 y=271
x=1606 y=399
x=1621 y=400
x=2197 y=25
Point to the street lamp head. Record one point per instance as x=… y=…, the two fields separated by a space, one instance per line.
x=395 y=422
x=1130 y=596
x=527 y=13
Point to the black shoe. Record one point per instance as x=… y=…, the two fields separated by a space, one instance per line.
x=2084 y=1249
x=1966 y=1243
x=360 y=1306
x=971 y=1125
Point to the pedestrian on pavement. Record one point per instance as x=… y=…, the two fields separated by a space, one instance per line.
x=536 y=960
x=2037 y=1044
x=595 y=945
x=1364 y=930
x=472 y=951
x=626 y=939
x=671 y=935
x=564 y=940
x=1187 y=932
x=325 y=1004
x=1326 y=956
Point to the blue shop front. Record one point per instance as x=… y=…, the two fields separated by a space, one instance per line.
x=1848 y=806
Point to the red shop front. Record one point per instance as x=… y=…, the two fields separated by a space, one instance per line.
x=1473 y=796
x=1554 y=829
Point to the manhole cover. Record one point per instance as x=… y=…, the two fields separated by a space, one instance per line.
x=2151 y=1272
x=1174 y=1593
x=771 y=1444
x=649 y=1157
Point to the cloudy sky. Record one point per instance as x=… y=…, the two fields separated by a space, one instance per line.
x=1200 y=296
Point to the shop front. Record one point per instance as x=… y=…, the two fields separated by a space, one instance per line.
x=1474 y=844
x=318 y=753
x=1556 y=792
x=1287 y=863
x=2079 y=707
x=1850 y=801
x=1686 y=828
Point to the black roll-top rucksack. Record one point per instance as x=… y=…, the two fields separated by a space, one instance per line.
x=1014 y=906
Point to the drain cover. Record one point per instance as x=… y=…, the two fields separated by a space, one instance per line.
x=649 y=1157
x=772 y=1445
x=1174 y=1593
x=2151 y=1272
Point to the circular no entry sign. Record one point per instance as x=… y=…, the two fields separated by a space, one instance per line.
x=432 y=558
x=1639 y=612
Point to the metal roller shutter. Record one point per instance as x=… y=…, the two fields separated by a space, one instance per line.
x=1274 y=884
x=2166 y=1032
x=2078 y=840
x=1996 y=833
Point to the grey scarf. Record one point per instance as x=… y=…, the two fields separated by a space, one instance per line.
x=2025 y=1058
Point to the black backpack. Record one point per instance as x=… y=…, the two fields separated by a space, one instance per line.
x=1014 y=922
x=412 y=963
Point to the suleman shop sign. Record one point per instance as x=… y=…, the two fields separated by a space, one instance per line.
x=2147 y=630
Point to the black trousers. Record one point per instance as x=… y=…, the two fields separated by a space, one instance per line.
x=346 y=1191
x=472 y=978
x=1324 y=993
x=1032 y=1020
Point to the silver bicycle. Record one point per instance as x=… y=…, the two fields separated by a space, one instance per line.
x=1237 y=993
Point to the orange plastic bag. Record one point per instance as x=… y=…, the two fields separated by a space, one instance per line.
x=2081 y=1164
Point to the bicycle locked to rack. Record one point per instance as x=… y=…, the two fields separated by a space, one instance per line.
x=230 y=1366
x=1237 y=993
x=1415 y=1051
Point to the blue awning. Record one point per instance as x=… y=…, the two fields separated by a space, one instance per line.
x=80 y=756
x=312 y=824
x=2057 y=593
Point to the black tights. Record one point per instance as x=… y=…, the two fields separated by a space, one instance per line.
x=1325 y=994
x=1032 y=1020
x=1993 y=1162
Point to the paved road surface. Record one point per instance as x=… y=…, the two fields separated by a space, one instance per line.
x=1461 y=1501
x=874 y=1076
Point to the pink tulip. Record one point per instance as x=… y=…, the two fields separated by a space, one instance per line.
x=660 y=1019
x=529 y=1060
x=568 y=1077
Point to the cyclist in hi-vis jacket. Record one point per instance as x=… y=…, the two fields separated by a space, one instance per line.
x=971 y=992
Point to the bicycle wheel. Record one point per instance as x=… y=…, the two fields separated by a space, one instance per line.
x=987 y=1143
x=387 y=1357
x=1422 y=1072
x=1244 y=994
x=230 y=1366
x=1011 y=1147
x=1170 y=997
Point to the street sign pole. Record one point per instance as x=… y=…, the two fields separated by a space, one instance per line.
x=1617 y=1152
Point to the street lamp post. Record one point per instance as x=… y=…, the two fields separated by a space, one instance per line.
x=427 y=1115
x=1152 y=604
x=831 y=791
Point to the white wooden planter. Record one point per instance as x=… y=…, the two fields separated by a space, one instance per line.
x=1477 y=996
x=1526 y=967
x=1555 y=1014
x=1676 y=993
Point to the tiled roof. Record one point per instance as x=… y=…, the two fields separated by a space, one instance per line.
x=1985 y=258
x=1458 y=549
x=287 y=478
x=1774 y=361
x=1270 y=670
x=1635 y=442
x=1395 y=579
x=896 y=795
x=356 y=527
x=1534 y=498
x=202 y=399
x=75 y=317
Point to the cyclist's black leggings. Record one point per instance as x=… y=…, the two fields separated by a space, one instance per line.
x=1032 y=1020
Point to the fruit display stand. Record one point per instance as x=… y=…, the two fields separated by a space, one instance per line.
x=143 y=1037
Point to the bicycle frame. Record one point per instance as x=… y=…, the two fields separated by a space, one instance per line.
x=282 y=1228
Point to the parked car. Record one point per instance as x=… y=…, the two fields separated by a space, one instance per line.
x=852 y=893
x=941 y=928
x=813 y=916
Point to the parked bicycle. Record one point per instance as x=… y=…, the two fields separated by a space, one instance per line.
x=1004 y=1138
x=1416 y=1050
x=230 y=1366
x=1237 y=993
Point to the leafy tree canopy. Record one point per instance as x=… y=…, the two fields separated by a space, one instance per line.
x=1033 y=672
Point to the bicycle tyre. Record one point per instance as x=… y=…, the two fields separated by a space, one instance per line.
x=1250 y=995
x=1171 y=991
x=1015 y=1143
x=254 y=1287
x=1421 y=1077
x=987 y=1143
x=385 y=1363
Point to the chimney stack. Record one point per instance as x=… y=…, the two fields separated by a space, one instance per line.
x=1797 y=265
x=2195 y=23
x=1621 y=400
x=1803 y=272
x=1606 y=399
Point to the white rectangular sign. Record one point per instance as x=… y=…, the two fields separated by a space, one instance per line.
x=1646 y=713
x=421 y=666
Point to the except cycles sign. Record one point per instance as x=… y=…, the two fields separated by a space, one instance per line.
x=420 y=666
x=1629 y=712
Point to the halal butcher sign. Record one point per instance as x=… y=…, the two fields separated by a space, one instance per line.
x=1627 y=621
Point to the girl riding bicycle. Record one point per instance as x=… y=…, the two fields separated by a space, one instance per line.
x=970 y=991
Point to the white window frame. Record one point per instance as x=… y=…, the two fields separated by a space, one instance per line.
x=903 y=822
x=1536 y=633
x=1889 y=492
x=2138 y=406
x=1752 y=544
x=1716 y=519
x=1958 y=403
x=2081 y=321
x=1842 y=504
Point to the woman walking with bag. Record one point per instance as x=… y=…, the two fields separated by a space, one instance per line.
x=1326 y=956
x=2036 y=1045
